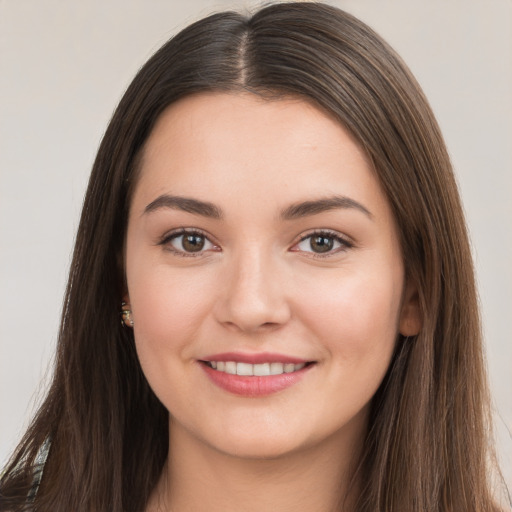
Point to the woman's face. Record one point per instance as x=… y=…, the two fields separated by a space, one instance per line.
x=260 y=242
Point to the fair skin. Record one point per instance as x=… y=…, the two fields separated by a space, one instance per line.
x=264 y=268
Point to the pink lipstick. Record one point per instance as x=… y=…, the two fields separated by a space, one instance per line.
x=254 y=375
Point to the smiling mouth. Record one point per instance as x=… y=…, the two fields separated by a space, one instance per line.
x=256 y=370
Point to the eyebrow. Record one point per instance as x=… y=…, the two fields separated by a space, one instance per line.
x=314 y=207
x=186 y=204
x=294 y=211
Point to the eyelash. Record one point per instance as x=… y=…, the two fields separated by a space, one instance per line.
x=169 y=237
x=345 y=244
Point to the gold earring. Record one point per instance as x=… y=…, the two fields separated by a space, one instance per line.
x=126 y=315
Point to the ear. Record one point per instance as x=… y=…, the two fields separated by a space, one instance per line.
x=410 y=314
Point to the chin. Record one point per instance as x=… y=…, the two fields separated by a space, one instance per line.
x=260 y=448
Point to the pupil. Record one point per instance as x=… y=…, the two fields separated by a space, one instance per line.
x=322 y=244
x=193 y=243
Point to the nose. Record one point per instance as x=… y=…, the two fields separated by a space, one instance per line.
x=253 y=294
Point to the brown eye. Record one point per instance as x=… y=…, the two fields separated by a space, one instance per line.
x=321 y=243
x=189 y=243
x=193 y=243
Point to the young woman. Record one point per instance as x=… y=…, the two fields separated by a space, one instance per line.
x=273 y=218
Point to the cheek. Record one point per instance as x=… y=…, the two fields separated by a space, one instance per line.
x=356 y=328
x=168 y=312
x=356 y=315
x=168 y=307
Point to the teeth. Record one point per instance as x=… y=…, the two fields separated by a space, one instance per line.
x=276 y=368
x=230 y=367
x=244 y=369
x=289 y=368
x=260 y=370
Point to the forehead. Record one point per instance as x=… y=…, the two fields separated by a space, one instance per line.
x=221 y=147
x=249 y=120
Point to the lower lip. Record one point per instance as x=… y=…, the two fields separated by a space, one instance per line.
x=254 y=386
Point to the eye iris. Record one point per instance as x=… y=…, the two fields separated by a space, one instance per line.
x=321 y=243
x=193 y=243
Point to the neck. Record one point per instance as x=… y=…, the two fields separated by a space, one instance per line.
x=199 y=478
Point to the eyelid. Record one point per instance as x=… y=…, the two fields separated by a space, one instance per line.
x=345 y=241
x=175 y=233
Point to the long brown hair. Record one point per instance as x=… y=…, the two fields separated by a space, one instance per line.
x=426 y=448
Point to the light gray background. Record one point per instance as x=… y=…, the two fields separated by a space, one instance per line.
x=64 y=65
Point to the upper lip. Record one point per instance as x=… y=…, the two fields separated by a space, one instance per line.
x=254 y=358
